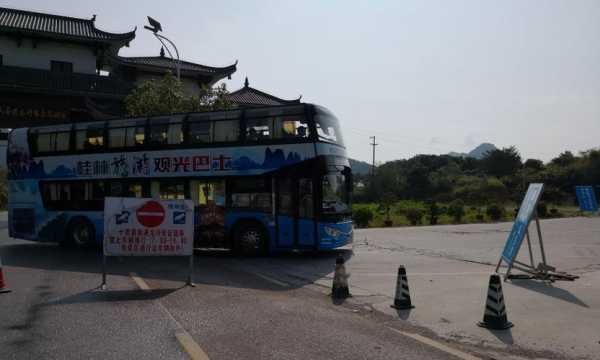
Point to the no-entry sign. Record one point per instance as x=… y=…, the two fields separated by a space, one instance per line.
x=151 y=214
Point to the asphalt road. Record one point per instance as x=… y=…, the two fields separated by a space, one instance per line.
x=279 y=307
x=56 y=311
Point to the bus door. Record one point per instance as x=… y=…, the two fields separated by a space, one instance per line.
x=209 y=201
x=295 y=225
x=286 y=213
x=306 y=224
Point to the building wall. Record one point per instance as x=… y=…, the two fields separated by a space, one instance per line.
x=190 y=87
x=82 y=57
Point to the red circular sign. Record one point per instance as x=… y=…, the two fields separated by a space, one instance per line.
x=151 y=214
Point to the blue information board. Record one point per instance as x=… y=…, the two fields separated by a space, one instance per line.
x=586 y=198
x=515 y=238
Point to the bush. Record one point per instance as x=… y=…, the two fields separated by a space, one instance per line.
x=555 y=213
x=362 y=216
x=495 y=212
x=542 y=209
x=479 y=217
x=456 y=209
x=414 y=215
x=434 y=213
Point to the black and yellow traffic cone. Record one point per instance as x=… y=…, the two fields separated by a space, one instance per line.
x=3 y=286
x=402 y=297
x=494 y=316
x=340 y=280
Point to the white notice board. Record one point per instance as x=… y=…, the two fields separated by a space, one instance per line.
x=148 y=227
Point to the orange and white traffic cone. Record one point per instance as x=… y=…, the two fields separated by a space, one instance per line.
x=3 y=286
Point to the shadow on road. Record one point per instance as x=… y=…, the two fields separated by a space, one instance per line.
x=211 y=267
x=95 y=295
x=549 y=290
x=404 y=314
x=503 y=335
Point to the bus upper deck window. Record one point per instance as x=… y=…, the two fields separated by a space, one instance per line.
x=259 y=129
x=226 y=130
x=91 y=137
x=166 y=130
x=200 y=132
x=53 y=139
x=291 y=127
x=127 y=133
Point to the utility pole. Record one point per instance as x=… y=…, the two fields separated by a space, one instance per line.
x=373 y=144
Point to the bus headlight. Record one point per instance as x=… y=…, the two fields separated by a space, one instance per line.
x=333 y=232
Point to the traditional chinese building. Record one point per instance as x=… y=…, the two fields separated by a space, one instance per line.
x=251 y=97
x=136 y=70
x=57 y=69
x=50 y=69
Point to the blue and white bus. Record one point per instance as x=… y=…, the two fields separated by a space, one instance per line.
x=262 y=179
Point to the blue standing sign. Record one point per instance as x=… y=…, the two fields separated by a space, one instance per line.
x=519 y=229
x=586 y=198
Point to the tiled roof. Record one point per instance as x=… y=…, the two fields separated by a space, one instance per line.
x=248 y=96
x=21 y=21
x=161 y=62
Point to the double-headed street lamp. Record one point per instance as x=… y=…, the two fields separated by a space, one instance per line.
x=155 y=27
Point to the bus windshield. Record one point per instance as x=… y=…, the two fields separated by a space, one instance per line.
x=336 y=195
x=328 y=127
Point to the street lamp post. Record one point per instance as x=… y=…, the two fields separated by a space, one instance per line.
x=155 y=27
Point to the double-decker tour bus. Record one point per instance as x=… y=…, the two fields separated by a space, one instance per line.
x=262 y=179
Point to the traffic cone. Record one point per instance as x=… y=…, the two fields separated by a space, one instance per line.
x=402 y=297
x=494 y=316
x=340 y=280
x=3 y=287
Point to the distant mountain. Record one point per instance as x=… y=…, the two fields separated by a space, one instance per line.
x=477 y=153
x=359 y=167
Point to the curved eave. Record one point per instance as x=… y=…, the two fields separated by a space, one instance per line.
x=112 y=39
x=216 y=73
x=251 y=96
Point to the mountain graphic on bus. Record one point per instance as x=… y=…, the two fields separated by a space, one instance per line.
x=36 y=170
x=273 y=159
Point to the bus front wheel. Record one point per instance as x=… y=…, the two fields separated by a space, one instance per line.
x=80 y=233
x=250 y=239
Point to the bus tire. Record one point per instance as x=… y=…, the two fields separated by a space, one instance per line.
x=250 y=239
x=80 y=233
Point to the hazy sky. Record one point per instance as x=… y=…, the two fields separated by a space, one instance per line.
x=423 y=76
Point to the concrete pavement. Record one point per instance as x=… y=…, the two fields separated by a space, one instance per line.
x=448 y=271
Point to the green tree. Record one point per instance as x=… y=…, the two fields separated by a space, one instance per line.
x=414 y=215
x=534 y=164
x=385 y=207
x=434 y=212
x=166 y=96
x=362 y=216
x=456 y=209
x=564 y=159
x=495 y=212
x=505 y=162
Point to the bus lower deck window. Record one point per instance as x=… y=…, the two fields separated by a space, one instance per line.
x=172 y=191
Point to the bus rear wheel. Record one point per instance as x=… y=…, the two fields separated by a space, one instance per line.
x=250 y=239
x=80 y=234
